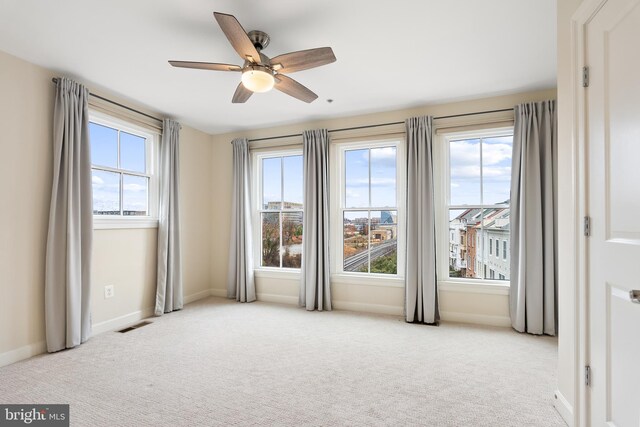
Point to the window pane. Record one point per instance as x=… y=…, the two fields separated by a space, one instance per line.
x=135 y=195
x=464 y=158
x=106 y=192
x=496 y=230
x=292 y=239
x=292 y=182
x=461 y=224
x=496 y=170
x=271 y=239
x=104 y=145
x=383 y=177
x=271 y=183
x=356 y=178
x=356 y=241
x=383 y=242
x=132 y=153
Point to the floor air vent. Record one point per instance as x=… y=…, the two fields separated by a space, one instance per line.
x=136 y=326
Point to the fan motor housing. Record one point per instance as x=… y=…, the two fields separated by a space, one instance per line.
x=260 y=39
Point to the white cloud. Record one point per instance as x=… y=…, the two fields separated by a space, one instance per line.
x=96 y=180
x=383 y=153
x=465 y=153
x=492 y=154
x=135 y=187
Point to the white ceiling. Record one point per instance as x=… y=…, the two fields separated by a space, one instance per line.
x=390 y=54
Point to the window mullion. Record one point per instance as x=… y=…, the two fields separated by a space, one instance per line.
x=369 y=225
x=369 y=241
x=121 y=194
x=481 y=173
x=281 y=207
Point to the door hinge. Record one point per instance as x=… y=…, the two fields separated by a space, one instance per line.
x=587 y=375
x=587 y=226
x=585 y=76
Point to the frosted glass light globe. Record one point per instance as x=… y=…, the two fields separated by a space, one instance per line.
x=256 y=79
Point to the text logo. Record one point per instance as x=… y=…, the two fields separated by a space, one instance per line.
x=34 y=415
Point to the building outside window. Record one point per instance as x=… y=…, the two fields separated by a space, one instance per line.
x=280 y=210
x=369 y=208
x=478 y=184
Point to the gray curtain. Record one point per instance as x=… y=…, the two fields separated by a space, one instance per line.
x=315 y=288
x=421 y=287
x=533 y=292
x=169 y=287
x=241 y=284
x=68 y=256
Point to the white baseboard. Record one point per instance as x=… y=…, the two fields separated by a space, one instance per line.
x=218 y=293
x=25 y=352
x=198 y=295
x=564 y=408
x=280 y=299
x=477 y=319
x=121 y=321
x=368 y=308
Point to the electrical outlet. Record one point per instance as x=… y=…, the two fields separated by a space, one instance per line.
x=108 y=291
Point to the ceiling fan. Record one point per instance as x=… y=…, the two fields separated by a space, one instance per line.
x=259 y=72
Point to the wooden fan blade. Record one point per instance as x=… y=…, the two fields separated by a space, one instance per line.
x=293 y=88
x=304 y=59
x=241 y=95
x=237 y=37
x=205 y=66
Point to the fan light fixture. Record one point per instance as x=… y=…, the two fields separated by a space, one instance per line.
x=258 y=79
x=259 y=72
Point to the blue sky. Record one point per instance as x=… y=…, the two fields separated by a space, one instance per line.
x=383 y=177
x=106 y=185
x=272 y=168
x=466 y=167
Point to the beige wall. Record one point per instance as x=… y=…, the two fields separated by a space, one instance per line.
x=566 y=213
x=456 y=305
x=126 y=259
x=123 y=258
x=26 y=114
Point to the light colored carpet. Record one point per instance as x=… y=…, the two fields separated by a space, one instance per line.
x=222 y=363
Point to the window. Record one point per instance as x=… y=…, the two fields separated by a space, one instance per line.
x=475 y=188
x=280 y=210
x=123 y=170
x=368 y=210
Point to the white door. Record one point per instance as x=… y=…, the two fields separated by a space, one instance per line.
x=613 y=194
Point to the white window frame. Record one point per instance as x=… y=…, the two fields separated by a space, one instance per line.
x=152 y=148
x=337 y=188
x=257 y=210
x=442 y=189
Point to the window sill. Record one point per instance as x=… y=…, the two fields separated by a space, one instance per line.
x=368 y=280
x=123 y=223
x=473 y=287
x=277 y=273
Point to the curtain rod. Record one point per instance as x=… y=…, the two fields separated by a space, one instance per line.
x=55 y=80
x=384 y=124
